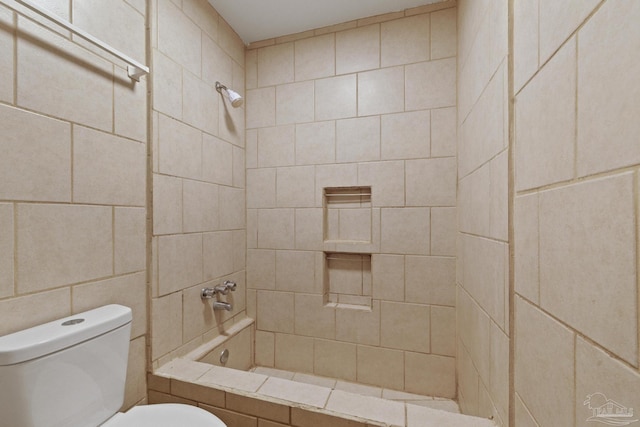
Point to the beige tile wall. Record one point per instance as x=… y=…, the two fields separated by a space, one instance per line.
x=199 y=231
x=368 y=103
x=577 y=161
x=73 y=171
x=483 y=223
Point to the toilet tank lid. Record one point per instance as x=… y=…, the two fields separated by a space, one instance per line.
x=54 y=336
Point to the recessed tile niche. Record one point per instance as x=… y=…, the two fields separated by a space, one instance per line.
x=348 y=222
x=348 y=280
x=347 y=214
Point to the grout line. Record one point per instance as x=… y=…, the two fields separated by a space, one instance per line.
x=113 y=240
x=575 y=110
x=575 y=378
x=15 y=249
x=511 y=190
x=14 y=35
x=113 y=99
x=538 y=244
x=579 y=180
x=636 y=195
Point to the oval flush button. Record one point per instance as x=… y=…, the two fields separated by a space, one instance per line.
x=72 y=322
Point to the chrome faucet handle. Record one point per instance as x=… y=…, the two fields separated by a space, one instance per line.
x=207 y=293
x=226 y=286
x=230 y=285
x=221 y=289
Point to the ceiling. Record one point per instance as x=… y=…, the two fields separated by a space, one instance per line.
x=256 y=20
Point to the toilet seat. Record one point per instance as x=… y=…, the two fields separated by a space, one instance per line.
x=165 y=415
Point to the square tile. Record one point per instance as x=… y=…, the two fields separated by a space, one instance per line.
x=261 y=108
x=276 y=229
x=275 y=64
x=60 y=245
x=358 y=140
x=309 y=229
x=611 y=380
x=316 y=143
x=296 y=187
x=218 y=161
x=335 y=359
x=276 y=146
x=387 y=273
x=261 y=269
x=386 y=180
x=359 y=326
x=313 y=318
x=180 y=262
x=546 y=123
x=405 y=326
x=406 y=135
x=430 y=375
x=294 y=353
x=606 y=101
x=315 y=57
x=380 y=366
x=36 y=164
x=585 y=244
x=431 y=84
x=295 y=103
x=295 y=271
x=275 y=311
x=381 y=91
x=336 y=97
x=180 y=149
x=405 y=41
x=440 y=173
x=405 y=231
x=358 y=49
x=542 y=343
x=261 y=188
x=200 y=206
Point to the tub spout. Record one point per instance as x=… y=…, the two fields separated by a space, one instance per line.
x=220 y=305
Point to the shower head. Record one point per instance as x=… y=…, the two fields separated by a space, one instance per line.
x=233 y=96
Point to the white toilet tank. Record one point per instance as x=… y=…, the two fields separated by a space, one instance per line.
x=66 y=373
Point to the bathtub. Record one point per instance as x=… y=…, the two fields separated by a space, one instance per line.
x=220 y=377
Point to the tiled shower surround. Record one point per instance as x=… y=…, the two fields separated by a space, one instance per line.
x=198 y=222
x=491 y=253
x=357 y=287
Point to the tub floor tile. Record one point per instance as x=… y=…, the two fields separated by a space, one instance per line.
x=364 y=390
x=420 y=416
x=271 y=372
x=306 y=394
x=373 y=408
x=233 y=379
x=314 y=379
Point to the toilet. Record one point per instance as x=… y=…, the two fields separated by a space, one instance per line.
x=72 y=373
